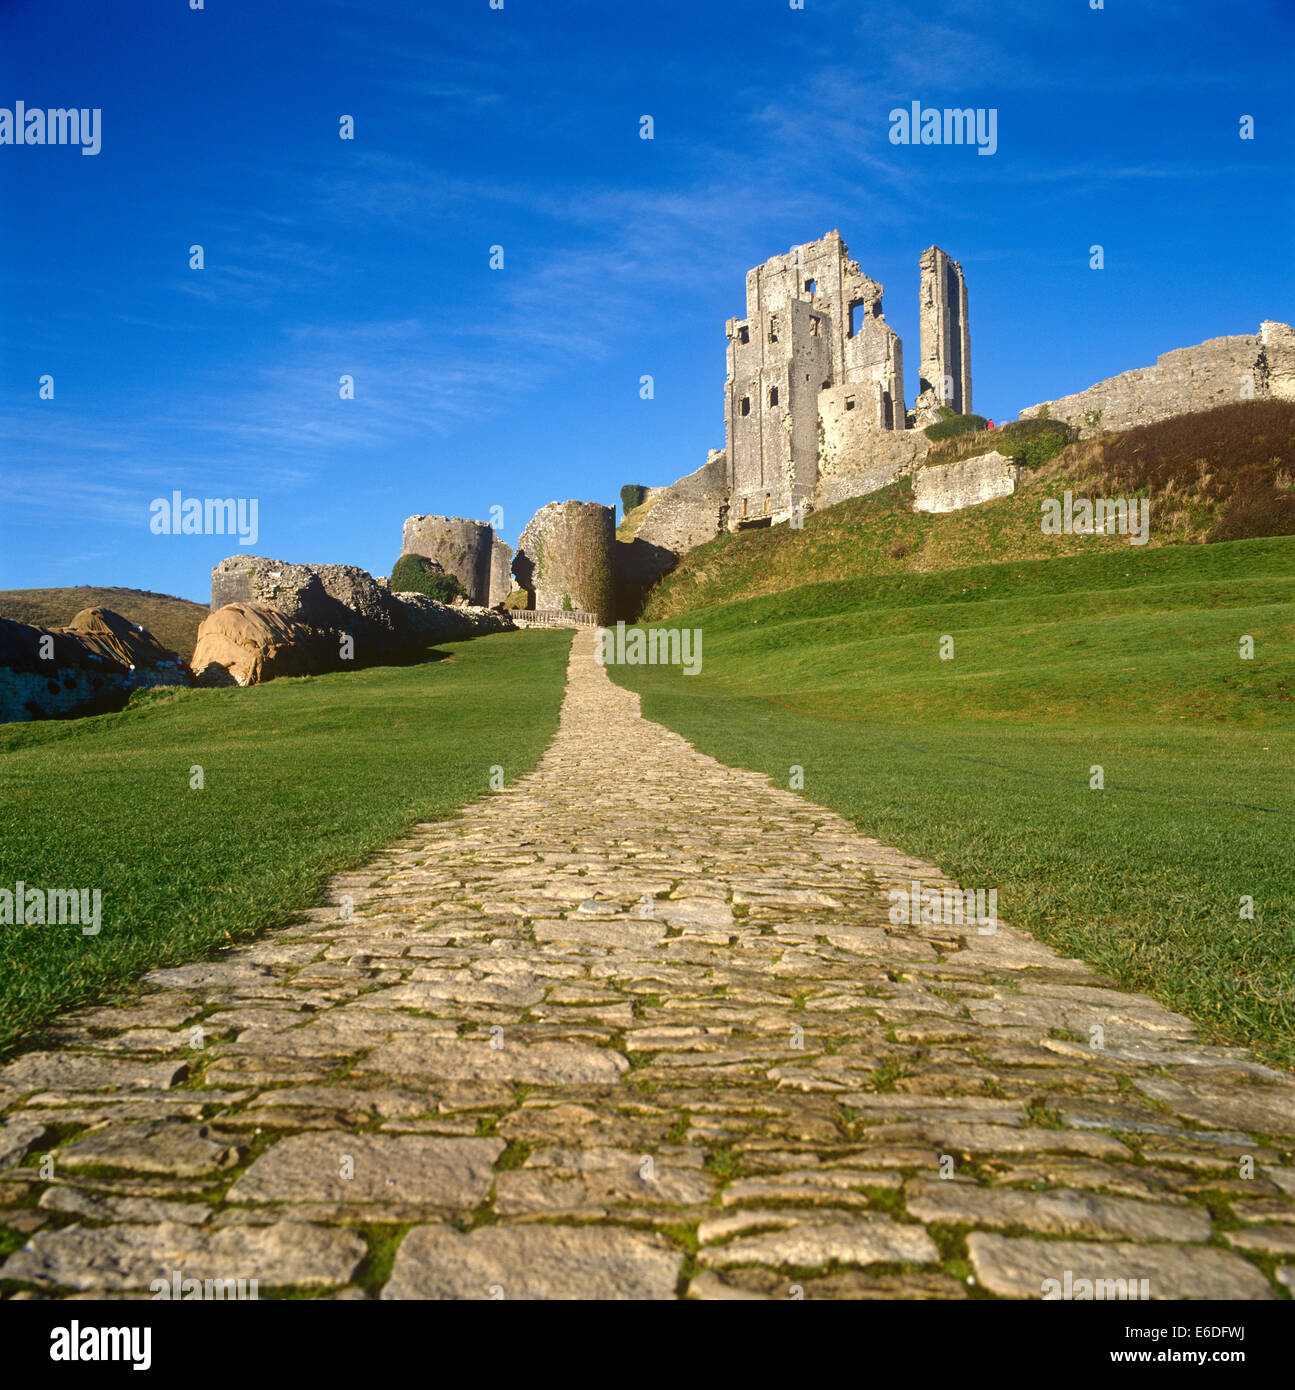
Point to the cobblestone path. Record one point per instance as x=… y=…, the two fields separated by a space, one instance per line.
x=638 y=1026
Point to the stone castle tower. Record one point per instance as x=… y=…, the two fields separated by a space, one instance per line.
x=946 y=333
x=469 y=550
x=813 y=324
x=814 y=366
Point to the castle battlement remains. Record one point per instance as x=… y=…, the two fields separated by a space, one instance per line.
x=814 y=369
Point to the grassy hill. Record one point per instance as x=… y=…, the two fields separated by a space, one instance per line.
x=173 y=621
x=1120 y=658
x=1225 y=474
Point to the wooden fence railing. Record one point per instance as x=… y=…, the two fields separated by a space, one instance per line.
x=553 y=617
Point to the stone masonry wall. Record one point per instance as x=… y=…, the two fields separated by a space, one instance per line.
x=948 y=487
x=1277 y=352
x=501 y=572
x=463 y=548
x=686 y=514
x=945 y=332
x=855 y=457
x=1213 y=373
x=565 y=556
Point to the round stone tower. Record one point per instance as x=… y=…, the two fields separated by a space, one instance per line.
x=564 y=557
x=462 y=548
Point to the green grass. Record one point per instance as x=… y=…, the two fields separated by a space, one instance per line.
x=1128 y=659
x=173 y=621
x=302 y=779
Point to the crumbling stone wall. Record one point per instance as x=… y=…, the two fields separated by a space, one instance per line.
x=463 y=548
x=1216 y=372
x=565 y=557
x=71 y=681
x=945 y=371
x=948 y=487
x=855 y=457
x=334 y=617
x=1277 y=360
x=93 y=665
x=687 y=513
x=813 y=321
x=340 y=598
x=501 y=572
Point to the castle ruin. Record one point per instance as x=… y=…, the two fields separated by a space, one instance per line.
x=566 y=557
x=469 y=550
x=814 y=370
x=945 y=373
x=814 y=342
x=815 y=413
x=1240 y=367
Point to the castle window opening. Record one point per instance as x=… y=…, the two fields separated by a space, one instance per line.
x=815 y=326
x=744 y=506
x=849 y=402
x=773 y=395
x=811 y=286
x=744 y=334
x=825 y=386
x=768 y=504
x=746 y=405
x=856 y=316
x=773 y=328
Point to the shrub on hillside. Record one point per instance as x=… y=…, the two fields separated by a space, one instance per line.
x=416 y=574
x=1033 y=442
x=1029 y=442
x=632 y=495
x=953 y=425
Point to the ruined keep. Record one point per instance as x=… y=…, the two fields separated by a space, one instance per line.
x=469 y=550
x=814 y=398
x=813 y=325
x=945 y=371
x=565 y=558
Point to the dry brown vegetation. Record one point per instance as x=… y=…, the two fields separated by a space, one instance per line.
x=1216 y=475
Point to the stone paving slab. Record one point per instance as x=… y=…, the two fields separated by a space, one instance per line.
x=638 y=1026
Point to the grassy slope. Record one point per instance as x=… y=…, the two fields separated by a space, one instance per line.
x=1124 y=658
x=173 y=621
x=303 y=777
x=1174 y=463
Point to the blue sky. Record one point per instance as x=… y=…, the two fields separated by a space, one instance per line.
x=477 y=127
